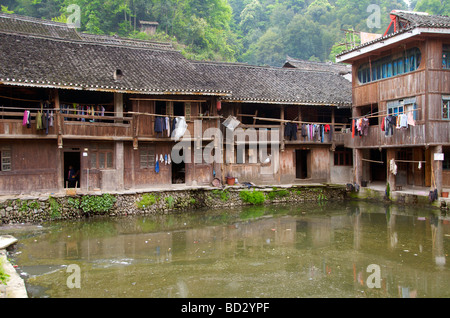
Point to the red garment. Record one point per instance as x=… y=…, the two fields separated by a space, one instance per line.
x=382 y=124
x=353 y=128
x=327 y=128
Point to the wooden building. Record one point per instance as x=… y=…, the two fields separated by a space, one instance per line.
x=104 y=106
x=93 y=102
x=401 y=95
x=308 y=108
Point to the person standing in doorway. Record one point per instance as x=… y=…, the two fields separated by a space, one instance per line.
x=72 y=177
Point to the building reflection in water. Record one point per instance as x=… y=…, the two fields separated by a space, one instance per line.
x=337 y=246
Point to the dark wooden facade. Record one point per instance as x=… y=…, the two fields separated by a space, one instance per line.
x=104 y=94
x=425 y=87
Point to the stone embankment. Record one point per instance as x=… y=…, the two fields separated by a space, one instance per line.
x=64 y=207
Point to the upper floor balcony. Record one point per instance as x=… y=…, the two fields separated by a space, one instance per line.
x=54 y=124
x=430 y=133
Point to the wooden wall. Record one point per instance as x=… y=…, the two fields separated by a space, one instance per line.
x=33 y=167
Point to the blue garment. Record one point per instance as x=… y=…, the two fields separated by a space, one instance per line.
x=159 y=124
x=157 y=166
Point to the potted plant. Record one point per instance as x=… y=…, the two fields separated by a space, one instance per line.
x=230 y=180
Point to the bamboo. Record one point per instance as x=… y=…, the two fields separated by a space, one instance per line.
x=297 y=122
x=372 y=161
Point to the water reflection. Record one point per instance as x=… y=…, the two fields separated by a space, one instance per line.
x=279 y=251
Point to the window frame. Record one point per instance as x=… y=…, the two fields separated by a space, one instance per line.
x=98 y=151
x=148 y=152
x=445 y=104
x=390 y=66
x=5 y=164
x=343 y=157
x=446 y=56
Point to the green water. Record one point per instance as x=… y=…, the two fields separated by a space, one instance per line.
x=306 y=250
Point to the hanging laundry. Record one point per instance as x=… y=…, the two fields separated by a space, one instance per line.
x=410 y=120
x=290 y=131
x=180 y=128
x=167 y=126
x=26 y=119
x=304 y=130
x=39 y=120
x=169 y=161
x=157 y=166
x=403 y=121
x=159 y=125
x=51 y=119
x=393 y=167
x=353 y=128
x=389 y=125
x=365 y=127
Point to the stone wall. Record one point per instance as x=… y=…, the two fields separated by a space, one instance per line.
x=38 y=210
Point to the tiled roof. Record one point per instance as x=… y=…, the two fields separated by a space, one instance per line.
x=115 y=40
x=410 y=20
x=32 y=61
x=48 y=54
x=423 y=20
x=337 y=68
x=17 y=24
x=278 y=85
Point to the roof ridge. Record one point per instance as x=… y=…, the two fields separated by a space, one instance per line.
x=33 y=19
x=268 y=67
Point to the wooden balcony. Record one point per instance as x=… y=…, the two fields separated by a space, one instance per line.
x=130 y=127
x=412 y=136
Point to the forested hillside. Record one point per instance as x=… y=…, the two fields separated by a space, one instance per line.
x=261 y=32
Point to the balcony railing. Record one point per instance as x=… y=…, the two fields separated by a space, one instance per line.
x=411 y=136
x=73 y=125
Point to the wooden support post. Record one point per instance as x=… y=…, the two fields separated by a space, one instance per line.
x=390 y=154
x=437 y=167
x=282 y=145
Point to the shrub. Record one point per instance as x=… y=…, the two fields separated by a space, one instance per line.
x=3 y=276
x=170 y=201
x=253 y=197
x=97 y=204
x=55 y=208
x=146 y=201
x=275 y=193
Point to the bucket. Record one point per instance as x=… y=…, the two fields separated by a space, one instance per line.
x=444 y=194
x=230 y=181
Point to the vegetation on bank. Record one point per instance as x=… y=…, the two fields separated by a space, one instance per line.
x=3 y=276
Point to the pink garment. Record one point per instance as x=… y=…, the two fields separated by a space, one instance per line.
x=411 y=119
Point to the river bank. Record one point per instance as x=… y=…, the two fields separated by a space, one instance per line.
x=39 y=209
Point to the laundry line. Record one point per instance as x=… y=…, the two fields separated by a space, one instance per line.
x=385 y=115
x=297 y=122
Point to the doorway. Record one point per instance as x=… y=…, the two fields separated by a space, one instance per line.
x=301 y=164
x=378 y=169
x=179 y=171
x=72 y=161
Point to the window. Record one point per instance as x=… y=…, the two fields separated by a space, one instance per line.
x=446 y=57
x=391 y=66
x=101 y=156
x=401 y=106
x=343 y=157
x=446 y=162
x=5 y=159
x=147 y=157
x=445 y=107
